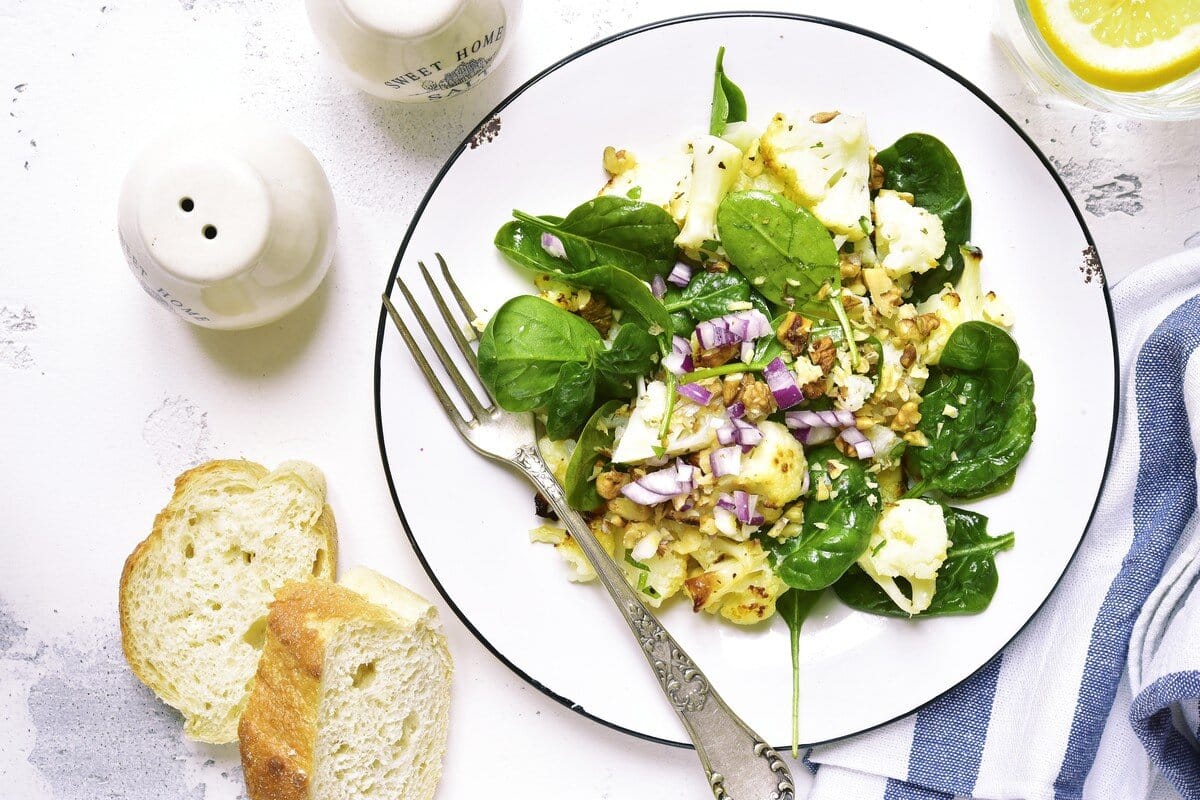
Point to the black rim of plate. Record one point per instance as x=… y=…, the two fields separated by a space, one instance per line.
x=979 y=93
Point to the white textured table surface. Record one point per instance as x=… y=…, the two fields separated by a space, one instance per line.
x=104 y=397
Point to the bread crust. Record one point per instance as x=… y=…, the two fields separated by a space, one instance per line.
x=325 y=527
x=278 y=730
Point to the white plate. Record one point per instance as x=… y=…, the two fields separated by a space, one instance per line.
x=469 y=519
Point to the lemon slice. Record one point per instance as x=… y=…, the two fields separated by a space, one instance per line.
x=1123 y=45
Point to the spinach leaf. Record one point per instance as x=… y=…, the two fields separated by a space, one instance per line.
x=631 y=356
x=836 y=530
x=966 y=581
x=525 y=345
x=973 y=453
x=635 y=236
x=682 y=324
x=521 y=242
x=595 y=441
x=921 y=165
x=795 y=606
x=571 y=399
x=985 y=349
x=709 y=294
x=625 y=292
x=728 y=101
x=782 y=248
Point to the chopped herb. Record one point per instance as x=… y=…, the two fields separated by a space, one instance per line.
x=875 y=550
x=635 y=193
x=865 y=224
x=633 y=562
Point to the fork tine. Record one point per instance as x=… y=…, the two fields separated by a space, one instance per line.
x=455 y=328
x=456 y=377
x=431 y=378
x=458 y=295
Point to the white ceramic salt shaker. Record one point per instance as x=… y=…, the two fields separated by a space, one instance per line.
x=228 y=221
x=414 y=50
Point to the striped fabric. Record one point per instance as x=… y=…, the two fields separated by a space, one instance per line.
x=1113 y=658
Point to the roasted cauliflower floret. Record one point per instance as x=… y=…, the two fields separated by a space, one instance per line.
x=908 y=238
x=656 y=577
x=735 y=581
x=909 y=541
x=716 y=165
x=774 y=470
x=663 y=181
x=691 y=428
x=580 y=569
x=824 y=167
x=962 y=303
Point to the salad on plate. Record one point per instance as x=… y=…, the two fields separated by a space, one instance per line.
x=766 y=367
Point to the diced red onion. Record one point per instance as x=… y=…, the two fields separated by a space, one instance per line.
x=658 y=287
x=818 y=434
x=643 y=496
x=800 y=420
x=725 y=521
x=737 y=410
x=740 y=432
x=856 y=439
x=733 y=328
x=695 y=392
x=680 y=275
x=804 y=484
x=743 y=505
x=662 y=485
x=747 y=353
x=782 y=383
x=679 y=360
x=725 y=461
x=553 y=245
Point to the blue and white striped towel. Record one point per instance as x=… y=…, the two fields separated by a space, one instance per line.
x=1098 y=697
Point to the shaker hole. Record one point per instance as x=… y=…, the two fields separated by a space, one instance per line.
x=186 y=204
x=210 y=232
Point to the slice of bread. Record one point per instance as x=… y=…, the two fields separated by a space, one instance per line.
x=352 y=697
x=194 y=594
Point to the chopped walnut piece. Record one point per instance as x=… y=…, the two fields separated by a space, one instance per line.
x=850 y=265
x=757 y=398
x=618 y=161
x=821 y=117
x=909 y=356
x=877 y=176
x=814 y=389
x=729 y=388
x=608 y=484
x=927 y=323
x=850 y=302
x=717 y=266
x=823 y=353
x=717 y=356
x=597 y=311
x=793 y=333
x=907 y=417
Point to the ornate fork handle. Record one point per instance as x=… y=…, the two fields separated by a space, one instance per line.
x=739 y=765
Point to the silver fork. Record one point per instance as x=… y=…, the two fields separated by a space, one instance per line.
x=738 y=763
